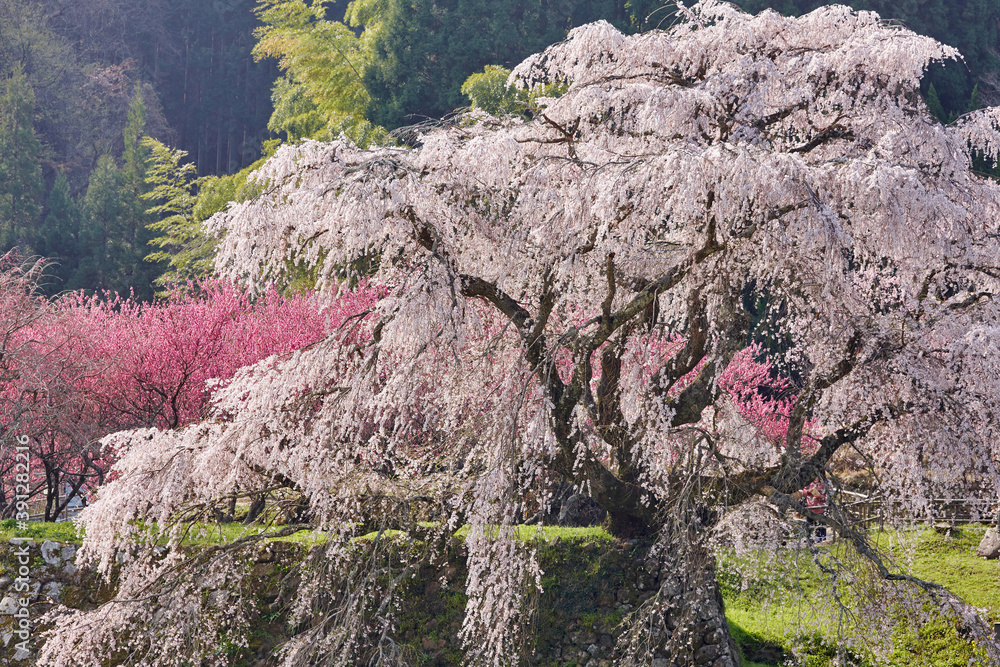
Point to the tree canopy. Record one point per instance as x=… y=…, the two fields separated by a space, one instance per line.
x=324 y=61
x=365 y=67
x=393 y=63
x=72 y=75
x=968 y=25
x=565 y=297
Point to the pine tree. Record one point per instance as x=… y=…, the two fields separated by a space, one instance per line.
x=934 y=104
x=183 y=242
x=114 y=230
x=138 y=274
x=21 y=183
x=136 y=153
x=102 y=224
x=60 y=237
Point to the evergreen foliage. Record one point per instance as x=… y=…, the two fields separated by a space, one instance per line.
x=934 y=104
x=70 y=111
x=114 y=237
x=396 y=62
x=295 y=113
x=61 y=234
x=422 y=51
x=195 y=55
x=565 y=297
x=182 y=244
x=359 y=68
x=184 y=204
x=325 y=62
x=85 y=64
x=101 y=227
x=488 y=90
x=21 y=184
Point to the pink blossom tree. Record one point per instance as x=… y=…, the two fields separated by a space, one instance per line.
x=39 y=391
x=156 y=364
x=157 y=359
x=681 y=172
x=84 y=367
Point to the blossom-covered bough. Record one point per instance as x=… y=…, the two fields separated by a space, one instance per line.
x=564 y=297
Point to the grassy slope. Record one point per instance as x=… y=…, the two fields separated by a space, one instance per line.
x=781 y=620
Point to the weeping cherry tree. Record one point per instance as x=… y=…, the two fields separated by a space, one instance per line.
x=563 y=296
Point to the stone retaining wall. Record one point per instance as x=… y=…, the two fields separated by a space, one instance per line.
x=590 y=587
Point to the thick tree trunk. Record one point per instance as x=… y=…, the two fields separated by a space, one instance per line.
x=687 y=612
x=701 y=634
x=627 y=527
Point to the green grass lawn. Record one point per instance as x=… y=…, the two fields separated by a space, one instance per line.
x=200 y=533
x=781 y=612
x=38 y=531
x=952 y=562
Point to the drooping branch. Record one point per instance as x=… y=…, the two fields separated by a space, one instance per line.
x=689 y=356
x=574 y=460
x=807 y=400
x=474 y=287
x=787 y=477
x=832 y=134
x=970 y=622
x=535 y=342
x=732 y=324
x=638 y=305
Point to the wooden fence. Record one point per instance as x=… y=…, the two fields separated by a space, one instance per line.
x=870 y=511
